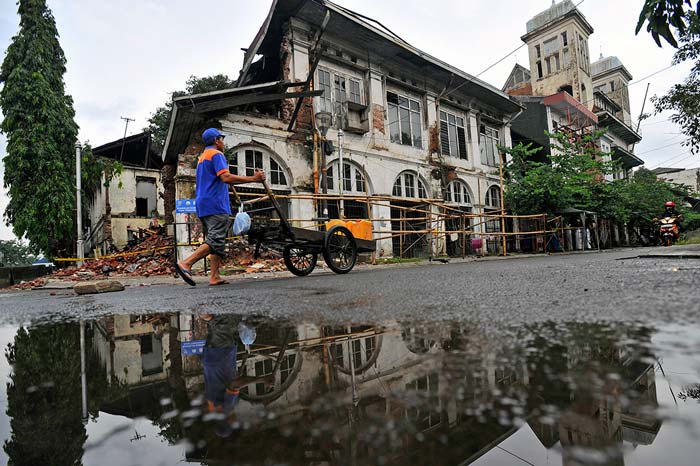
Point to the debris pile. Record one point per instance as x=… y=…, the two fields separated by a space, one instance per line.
x=152 y=256
x=240 y=259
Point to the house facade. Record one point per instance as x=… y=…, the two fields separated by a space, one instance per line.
x=564 y=91
x=117 y=212
x=413 y=127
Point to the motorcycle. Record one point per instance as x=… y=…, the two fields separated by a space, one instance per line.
x=668 y=230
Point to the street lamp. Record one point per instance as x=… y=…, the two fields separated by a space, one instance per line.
x=324 y=120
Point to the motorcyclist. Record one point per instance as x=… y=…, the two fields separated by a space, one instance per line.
x=670 y=210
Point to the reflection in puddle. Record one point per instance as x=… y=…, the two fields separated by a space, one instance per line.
x=165 y=388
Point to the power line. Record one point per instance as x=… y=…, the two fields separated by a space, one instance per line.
x=683 y=159
x=653 y=74
x=658 y=148
x=670 y=159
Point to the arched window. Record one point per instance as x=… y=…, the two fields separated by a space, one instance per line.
x=458 y=193
x=364 y=350
x=353 y=182
x=408 y=184
x=244 y=161
x=353 y=179
x=493 y=197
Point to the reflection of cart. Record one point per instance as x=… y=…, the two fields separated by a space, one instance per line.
x=300 y=247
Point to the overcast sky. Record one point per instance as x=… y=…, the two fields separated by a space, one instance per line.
x=126 y=56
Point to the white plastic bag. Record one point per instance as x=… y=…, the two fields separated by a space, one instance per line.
x=247 y=334
x=241 y=224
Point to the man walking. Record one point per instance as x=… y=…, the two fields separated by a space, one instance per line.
x=213 y=205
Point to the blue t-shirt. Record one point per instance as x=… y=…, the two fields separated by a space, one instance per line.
x=211 y=192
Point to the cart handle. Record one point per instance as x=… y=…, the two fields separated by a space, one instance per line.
x=283 y=219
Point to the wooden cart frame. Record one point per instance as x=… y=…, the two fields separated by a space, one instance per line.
x=301 y=247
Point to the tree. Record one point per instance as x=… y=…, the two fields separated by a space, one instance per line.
x=662 y=15
x=44 y=395
x=571 y=177
x=684 y=99
x=643 y=197
x=159 y=121
x=41 y=133
x=14 y=253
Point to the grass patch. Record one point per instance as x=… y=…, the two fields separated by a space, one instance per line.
x=398 y=260
x=686 y=241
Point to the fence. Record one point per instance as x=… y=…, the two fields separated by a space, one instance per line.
x=418 y=228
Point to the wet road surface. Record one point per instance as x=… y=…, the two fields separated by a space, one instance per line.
x=606 y=372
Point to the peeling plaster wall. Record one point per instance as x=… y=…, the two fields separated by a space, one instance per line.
x=123 y=203
x=127 y=362
x=620 y=95
x=573 y=71
x=381 y=159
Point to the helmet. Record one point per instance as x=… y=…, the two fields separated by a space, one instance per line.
x=670 y=204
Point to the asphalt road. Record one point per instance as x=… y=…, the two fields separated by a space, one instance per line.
x=585 y=287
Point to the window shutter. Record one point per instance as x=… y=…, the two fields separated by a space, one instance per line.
x=461 y=138
x=444 y=138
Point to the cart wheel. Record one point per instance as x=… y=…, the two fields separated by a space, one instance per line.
x=298 y=260
x=339 y=249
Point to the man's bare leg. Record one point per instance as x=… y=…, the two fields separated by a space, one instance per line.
x=215 y=261
x=201 y=252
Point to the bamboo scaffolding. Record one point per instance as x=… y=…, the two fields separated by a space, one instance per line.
x=426 y=221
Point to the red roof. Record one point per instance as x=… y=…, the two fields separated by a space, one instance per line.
x=567 y=105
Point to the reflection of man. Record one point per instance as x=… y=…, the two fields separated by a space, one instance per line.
x=222 y=386
x=219 y=363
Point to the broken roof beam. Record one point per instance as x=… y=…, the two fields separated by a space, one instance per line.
x=236 y=101
x=316 y=51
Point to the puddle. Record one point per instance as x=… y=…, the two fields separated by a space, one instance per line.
x=385 y=393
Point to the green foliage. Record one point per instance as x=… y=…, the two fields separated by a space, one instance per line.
x=574 y=177
x=663 y=15
x=40 y=133
x=98 y=172
x=159 y=121
x=684 y=99
x=643 y=197
x=691 y=220
x=14 y=253
x=570 y=178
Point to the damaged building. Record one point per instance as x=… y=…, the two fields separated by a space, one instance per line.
x=564 y=91
x=413 y=127
x=117 y=212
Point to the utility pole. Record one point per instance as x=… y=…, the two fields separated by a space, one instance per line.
x=341 y=167
x=126 y=125
x=78 y=205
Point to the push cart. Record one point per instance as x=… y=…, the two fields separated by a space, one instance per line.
x=301 y=247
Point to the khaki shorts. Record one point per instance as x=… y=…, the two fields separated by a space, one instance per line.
x=215 y=232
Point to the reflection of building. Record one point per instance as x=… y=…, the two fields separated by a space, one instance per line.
x=134 y=349
x=437 y=394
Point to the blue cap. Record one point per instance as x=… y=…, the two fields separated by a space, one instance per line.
x=209 y=135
